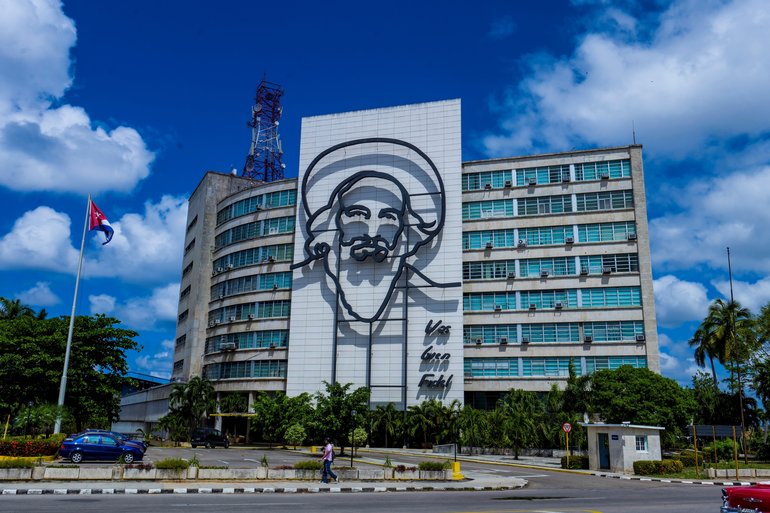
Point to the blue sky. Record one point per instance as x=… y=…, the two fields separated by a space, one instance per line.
x=132 y=101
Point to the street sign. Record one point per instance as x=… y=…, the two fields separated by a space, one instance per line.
x=566 y=427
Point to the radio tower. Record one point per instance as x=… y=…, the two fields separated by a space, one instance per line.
x=264 y=159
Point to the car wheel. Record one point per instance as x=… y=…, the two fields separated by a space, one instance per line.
x=227 y=444
x=208 y=445
x=128 y=457
x=76 y=457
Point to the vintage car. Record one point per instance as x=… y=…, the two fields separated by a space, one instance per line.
x=746 y=499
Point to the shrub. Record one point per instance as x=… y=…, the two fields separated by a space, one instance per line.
x=19 y=446
x=404 y=468
x=575 y=462
x=662 y=467
x=138 y=466
x=308 y=465
x=295 y=435
x=688 y=458
x=763 y=450
x=434 y=465
x=16 y=463
x=172 y=464
x=722 y=448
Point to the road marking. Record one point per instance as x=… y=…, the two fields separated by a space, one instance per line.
x=250 y=459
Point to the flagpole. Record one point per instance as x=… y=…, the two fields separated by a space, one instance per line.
x=63 y=383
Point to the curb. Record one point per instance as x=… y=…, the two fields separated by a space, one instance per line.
x=678 y=481
x=277 y=489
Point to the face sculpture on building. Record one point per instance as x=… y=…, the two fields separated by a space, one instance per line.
x=366 y=232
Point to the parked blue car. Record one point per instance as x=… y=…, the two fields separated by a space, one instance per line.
x=98 y=446
x=125 y=439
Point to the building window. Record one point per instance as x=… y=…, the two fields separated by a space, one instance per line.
x=545 y=205
x=542 y=175
x=276 y=199
x=597 y=170
x=253 y=256
x=489 y=301
x=558 y=266
x=185 y=292
x=551 y=333
x=613 y=200
x=641 y=443
x=500 y=269
x=548 y=299
x=246 y=369
x=249 y=340
x=268 y=281
x=178 y=365
x=597 y=363
x=487 y=209
x=255 y=230
x=192 y=224
x=189 y=247
x=498 y=239
x=489 y=333
x=611 y=296
x=621 y=263
x=548 y=367
x=183 y=315
x=491 y=367
x=486 y=180
x=606 y=232
x=543 y=236
x=187 y=269
x=613 y=331
x=180 y=342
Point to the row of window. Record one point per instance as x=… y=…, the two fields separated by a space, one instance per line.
x=255 y=229
x=267 y=281
x=554 y=333
x=252 y=256
x=545 y=367
x=247 y=311
x=543 y=205
x=547 y=175
x=549 y=235
x=276 y=199
x=564 y=298
x=555 y=266
x=247 y=340
x=247 y=369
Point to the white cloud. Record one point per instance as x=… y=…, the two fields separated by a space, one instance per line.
x=664 y=340
x=668 y=364
x=729 y=210
x=146 y=247
x=678 y=301
x=158 y=364
x=39 y=295
x=699 y=80
x=750 y=295
x=141 y=312
x=39 y=239
x=47 y=147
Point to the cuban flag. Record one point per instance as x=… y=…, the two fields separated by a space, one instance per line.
x=99 y=222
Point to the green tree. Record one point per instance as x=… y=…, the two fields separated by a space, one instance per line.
x=268 y=424
x=473 y=427
x=334 y=410
x=234 y=403
x=421 y=418
x=192 y=400
x=32 y=359
x=175 y=425
x=389 y=420
x=641 y=396
x=522 y=413
x=295 y=435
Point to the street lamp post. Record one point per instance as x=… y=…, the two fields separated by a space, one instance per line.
x=352 y=435
x=454 y=429
x=29 y=410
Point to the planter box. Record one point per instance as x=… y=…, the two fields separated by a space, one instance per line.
x=432 y=475
x=61 y=473
x=346 y=475
x=407 y=474
x=308 y=475
x=136 y=473
x=38 y=473
x=97 y=473
x=9 y=474
x=372 y=474
x=221 y=473
x=170 y=474
x=192 y=472
x=276 y=473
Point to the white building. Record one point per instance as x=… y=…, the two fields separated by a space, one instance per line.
x=391 y=264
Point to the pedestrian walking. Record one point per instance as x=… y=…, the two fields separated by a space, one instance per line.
x=327 y=459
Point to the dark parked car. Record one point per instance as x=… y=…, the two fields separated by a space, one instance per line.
x=746 y=499
x=98 y=446
x=208 y=437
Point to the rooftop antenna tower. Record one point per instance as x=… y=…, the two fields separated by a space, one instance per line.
x=264 y=159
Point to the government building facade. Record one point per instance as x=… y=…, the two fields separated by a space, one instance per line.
x=390 y=263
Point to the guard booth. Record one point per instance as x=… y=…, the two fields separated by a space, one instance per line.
x=615 y=447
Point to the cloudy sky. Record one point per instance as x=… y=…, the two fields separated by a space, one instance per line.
x=132 y=101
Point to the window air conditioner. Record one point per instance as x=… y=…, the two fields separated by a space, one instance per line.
x=511 y=275
x=544 y=274
x=227 y=346
x=569 y=240
x=640 y=338
x=489 y=245
x=525 y=340
x=230 y=267
x=498 y=308
x=487 y=186
x=584 y=271
x=479 y=341
x=217 y=321
x=532 y=306
x=606 y=270
x=272 y=345
x=231 y=318
x=565 y=178
x=588 y=339
x=508 y=184
x=532 y=181
x=503 y=340
x=211 y=324
x=522 y=243
x=605 y=175
x=275 y=286
x=558 y=306
x=631 y=236
x=251 y=317
x=219 y=270
x=221 y=296
x=271 y=259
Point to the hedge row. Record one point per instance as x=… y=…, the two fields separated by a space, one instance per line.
x=15 y=447
x=575 y=462
x=660 y=467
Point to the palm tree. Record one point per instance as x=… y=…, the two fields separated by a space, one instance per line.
x=522 y=412
x=420 y=418
x=193 y=399
x=724 y=334
x=474 y=427
x=388 y=418
x=704 y=348
x=13 y=309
